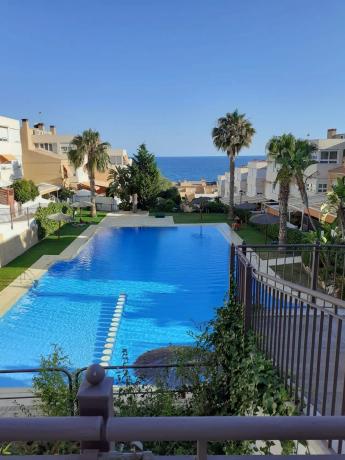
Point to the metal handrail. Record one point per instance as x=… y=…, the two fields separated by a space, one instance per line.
x=209 y=428
x=48 y=369
x=51 y=428
x=221 y=428
x=303 y=290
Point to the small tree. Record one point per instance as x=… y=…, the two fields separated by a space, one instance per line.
x=336 y=204
x=145 y=177
x=24 y=190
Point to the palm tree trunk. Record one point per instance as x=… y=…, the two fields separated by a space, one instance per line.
x=231 y=185
x=305 y=199
x=93 y=193
x=284 y=191
x=341 y=219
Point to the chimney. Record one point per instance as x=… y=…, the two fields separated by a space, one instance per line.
x=25 y=136
x=39 y=125
x=52 y=129
x=331 y=133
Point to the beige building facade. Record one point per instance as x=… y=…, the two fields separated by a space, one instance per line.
x=45 y=159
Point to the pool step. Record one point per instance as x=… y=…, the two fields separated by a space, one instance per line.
x=110 y=322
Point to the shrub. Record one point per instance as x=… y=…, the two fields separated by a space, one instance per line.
x=51 y=388
x=216 y=207
x=171 y=193
x=294 y=236
x=45 y=225
x=165 y=205
x=24 y=190
x=243 y=214
x=65 y=193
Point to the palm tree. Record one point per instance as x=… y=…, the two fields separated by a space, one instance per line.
x=282 y=150
x=302 y=159
x=232 y=133
x=88 y=151
x=336 y=203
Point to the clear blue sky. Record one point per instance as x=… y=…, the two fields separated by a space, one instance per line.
x=163 y=71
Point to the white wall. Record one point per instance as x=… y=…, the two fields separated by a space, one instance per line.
x=10 y=144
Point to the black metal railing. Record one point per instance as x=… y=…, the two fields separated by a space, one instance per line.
x=317 y=266
x=301 y=330
x=97 y=429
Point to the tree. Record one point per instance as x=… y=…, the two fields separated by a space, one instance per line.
x=141 y=178
x=336 y=203
x=121 y=185
x=146 y=177
x=232 y=133
x=292 y=157
x=88 y=151
x=24 y=190
x=282 y=150
x=302 y=159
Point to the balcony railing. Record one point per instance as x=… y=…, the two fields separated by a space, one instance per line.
x=302 y=330
x=97 y=429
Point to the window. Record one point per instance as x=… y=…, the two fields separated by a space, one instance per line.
x=3 y=133
x=322 y=188
x=329 y=157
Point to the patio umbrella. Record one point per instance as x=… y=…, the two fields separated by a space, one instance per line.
x=264 y=219
x=81 y=204
x=59 y=217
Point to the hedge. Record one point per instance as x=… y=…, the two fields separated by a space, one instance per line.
x=45 y=225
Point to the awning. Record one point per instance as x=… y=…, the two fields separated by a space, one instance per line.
x=6 y=158
x=45 y=188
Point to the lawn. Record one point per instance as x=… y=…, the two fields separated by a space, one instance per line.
x=50 y=245
x=195 y=217
x=251 y=235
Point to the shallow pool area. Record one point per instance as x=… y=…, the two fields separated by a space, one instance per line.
x=173 y=279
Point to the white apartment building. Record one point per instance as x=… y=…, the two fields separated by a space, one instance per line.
x=249 y=181
x=10 y=151
x=330 y=154
x=256 y=178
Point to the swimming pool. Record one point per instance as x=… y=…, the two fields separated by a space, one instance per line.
x=173 y=278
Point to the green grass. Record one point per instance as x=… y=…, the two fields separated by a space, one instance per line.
x=194 y=217
x=251 y=235
x=51 y=245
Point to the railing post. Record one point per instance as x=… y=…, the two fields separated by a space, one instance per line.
x=248 y=304
x=315 y=266
x=232 y=261
x=201 y=450
x=27 y=217
x=95 y=397
x=244 y=248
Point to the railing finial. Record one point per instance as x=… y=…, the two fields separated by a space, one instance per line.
x=95 y=374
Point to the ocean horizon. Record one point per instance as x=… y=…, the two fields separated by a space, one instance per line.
x=208 y=167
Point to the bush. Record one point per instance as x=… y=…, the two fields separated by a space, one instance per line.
x=65 y=193
x=165 y=205
x=216 y=207
x=243 y=214
x=294 y=236
x=24 y=190
x=171 y=193
x=45 y=225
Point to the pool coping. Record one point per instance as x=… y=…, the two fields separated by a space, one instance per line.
x=18 y=287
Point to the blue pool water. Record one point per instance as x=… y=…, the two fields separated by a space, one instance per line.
x=173 y=277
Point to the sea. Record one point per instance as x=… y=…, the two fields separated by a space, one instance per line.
x=199 y=167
